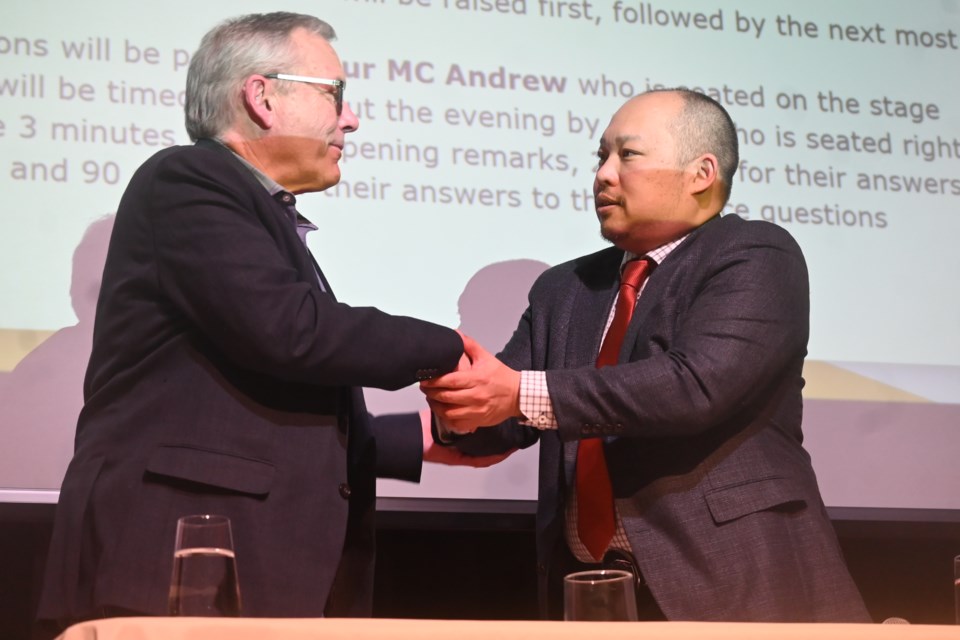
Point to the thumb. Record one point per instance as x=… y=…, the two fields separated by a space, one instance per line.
x=472 y=349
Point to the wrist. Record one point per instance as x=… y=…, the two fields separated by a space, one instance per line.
x=515 y=408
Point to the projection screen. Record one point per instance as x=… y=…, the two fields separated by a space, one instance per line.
x=471 y=172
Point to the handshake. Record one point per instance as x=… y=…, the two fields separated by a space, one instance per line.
x=480 y=392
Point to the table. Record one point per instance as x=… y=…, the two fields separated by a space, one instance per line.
x=385 y=629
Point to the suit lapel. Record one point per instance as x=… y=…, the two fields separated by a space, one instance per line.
x=325 y=285
x=658 y=288
x=597 y=287
x=282 y=214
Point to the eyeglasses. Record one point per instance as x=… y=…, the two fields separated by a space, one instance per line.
x=338 y=85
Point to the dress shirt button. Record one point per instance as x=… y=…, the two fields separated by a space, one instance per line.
x=344 y=490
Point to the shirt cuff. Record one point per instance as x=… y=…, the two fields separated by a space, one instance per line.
x=535 y=402
x=441 y=434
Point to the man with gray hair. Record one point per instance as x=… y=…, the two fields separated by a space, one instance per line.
x=225 y=377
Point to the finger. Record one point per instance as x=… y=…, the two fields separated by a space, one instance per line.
x=437 y=409
x=457 y=418
x=437 y=395
x=473 y=350
x=456 y=397
x=461 y=425
x=440 y=408
x=453 y=380
x=433 y=386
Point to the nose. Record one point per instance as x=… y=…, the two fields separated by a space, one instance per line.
x=348 y=119
x=606 y=171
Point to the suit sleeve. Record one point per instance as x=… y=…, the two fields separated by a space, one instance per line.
x=399 y=442
x=221 y=266
x=743 y=324
x=509 y=434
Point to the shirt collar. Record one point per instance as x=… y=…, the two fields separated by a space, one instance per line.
x=658 y=255
x=273 y=188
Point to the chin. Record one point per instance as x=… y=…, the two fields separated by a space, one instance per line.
x=620 y=239
x=611 y=234
x=328 y=180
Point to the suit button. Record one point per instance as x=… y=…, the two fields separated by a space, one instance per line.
x=344 y=490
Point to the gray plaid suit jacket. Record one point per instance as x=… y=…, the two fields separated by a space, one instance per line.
x=701 y=421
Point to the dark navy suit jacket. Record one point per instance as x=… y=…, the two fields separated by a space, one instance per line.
x=223 y=379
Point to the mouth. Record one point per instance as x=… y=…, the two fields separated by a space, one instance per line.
x=603 y=202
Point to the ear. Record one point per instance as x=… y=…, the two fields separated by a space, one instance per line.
x=258 y=101
x=704 y=172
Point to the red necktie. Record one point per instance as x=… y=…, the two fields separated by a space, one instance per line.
x=596 y=521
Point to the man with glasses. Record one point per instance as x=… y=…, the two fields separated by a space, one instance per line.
x=225 y=377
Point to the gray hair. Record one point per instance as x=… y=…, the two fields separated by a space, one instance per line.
x=232 y=51
x=704 y=126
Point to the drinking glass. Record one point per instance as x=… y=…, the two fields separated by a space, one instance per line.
x=204 y=581
x=602 y=594
x=956 y=589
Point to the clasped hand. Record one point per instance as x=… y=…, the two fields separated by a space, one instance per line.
x=481 y=392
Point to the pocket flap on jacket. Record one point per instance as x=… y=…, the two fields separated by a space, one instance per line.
x=214 y=468
x=730 y=503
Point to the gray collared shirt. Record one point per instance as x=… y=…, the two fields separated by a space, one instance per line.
x=274 y=188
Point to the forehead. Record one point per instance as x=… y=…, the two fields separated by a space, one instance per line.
x=315 y=55
x=647 y=116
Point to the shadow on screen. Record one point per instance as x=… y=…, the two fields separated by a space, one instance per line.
x=42 y=396
x=490 y=307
